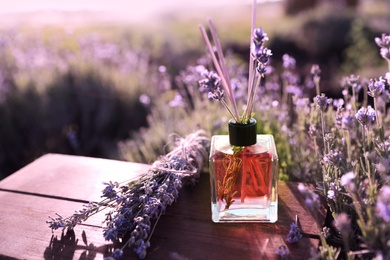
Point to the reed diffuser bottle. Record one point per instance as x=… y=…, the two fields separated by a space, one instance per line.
x=243 y=165
x=243 y=175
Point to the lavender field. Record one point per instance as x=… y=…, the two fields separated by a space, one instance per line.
x=93 y=85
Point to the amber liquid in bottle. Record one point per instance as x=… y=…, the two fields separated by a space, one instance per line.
x=244 y=181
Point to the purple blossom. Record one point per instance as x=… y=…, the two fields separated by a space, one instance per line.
x=384 y=44
x=283 y=251
x=331 y=194
x=210 y=81
x=387 y=77
x=117 y=254
x=218 y=94
x=383 y=166
x=347 y=122
x=212 y=84
x=312 y=199
x=365 y=115
x=294 y=90
x=144 y=99
x=385 y=53
x=383 y=204
x=347 y=180
x=315 y=70
x=109 y=191
x=288 y=62
x=313 y=131
x=177 y=101
x=333 y=157
x=376 y=87
x=353 y=81
x=333 y=190
x=111 y=234
x=294 y=233
x=261 y=54
x=322 y=102
x=259 y=36
x=302 y=103
x=339 y=116
x=384 y=41
x=343 y=223
x=338 y=102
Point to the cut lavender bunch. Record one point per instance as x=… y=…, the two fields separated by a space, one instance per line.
x=136 y=206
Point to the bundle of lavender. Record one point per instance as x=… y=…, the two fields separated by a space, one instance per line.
x=136 y=204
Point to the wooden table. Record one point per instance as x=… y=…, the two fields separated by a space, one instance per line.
x=61 y=184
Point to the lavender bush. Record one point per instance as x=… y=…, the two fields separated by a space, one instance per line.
x=67 y=93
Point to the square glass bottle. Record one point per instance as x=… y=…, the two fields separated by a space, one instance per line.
x=243 y=175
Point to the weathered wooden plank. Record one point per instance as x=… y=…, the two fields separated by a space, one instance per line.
x=187 y=224
x=70 y=176
x=25 y=233
x=185 y=231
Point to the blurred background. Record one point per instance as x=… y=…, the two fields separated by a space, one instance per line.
x=113 y=79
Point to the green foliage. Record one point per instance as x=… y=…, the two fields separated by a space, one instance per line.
x=368 y=64
x=79 y=113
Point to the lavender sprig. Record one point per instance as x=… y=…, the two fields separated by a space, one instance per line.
x=136 y=204
x=259 y=58
x=294 y=234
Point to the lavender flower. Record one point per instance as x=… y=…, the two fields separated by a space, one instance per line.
x=385 y=53
x=117 y=254
x=261 y=55
x=177 y=101
x=353 y=81
x=212 y=83
x=296 y=91
x=383 y=204
x=365 y=115
x=384 y=44
x=383 y=166
x=331 y=194
x=288 y=62
x=333 y=157
x=347 y=122
x=259 y=36
x=312 y=200
x=332 y=191
x=347 y=180
x=144 y=99
x=343 y=223
x=109 y=191
x=294 y=233
x=387 y=77
x=376 y=87
x=211 y=80
x=384 y=41
x=323 y=102
x=283 y=251
x=315 y=70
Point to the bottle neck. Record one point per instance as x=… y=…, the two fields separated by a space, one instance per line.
x=243 y=134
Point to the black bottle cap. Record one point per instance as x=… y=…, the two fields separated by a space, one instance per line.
x=243 y=134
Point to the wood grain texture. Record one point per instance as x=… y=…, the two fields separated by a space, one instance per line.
x=185 y=231
x=68 y=176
